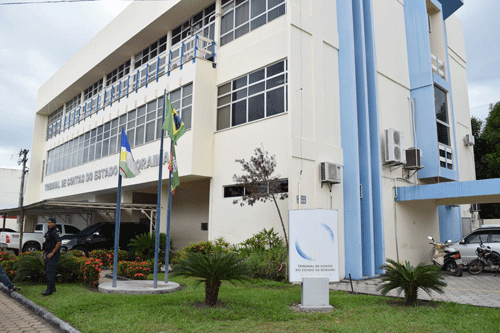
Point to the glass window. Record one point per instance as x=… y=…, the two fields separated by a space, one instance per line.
x=223 y=117
x=256 y=107
x=441 y=104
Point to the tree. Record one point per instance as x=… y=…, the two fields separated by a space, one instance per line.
x=487 y=153
x=260 y=184
x=212 y=269
x=409 y=279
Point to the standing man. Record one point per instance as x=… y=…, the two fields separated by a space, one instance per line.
x=51 y=255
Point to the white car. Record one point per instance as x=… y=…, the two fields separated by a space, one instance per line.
x=488 y=234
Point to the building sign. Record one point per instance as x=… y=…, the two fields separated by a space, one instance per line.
x=142 y=163
x=314 y=248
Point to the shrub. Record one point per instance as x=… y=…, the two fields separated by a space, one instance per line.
x=200 y=247
x=8 y=267
x=67 y=267
x=269 y=264
x=135 y=270
x=212 y=269
x=29 y=266
x=409 y=279
x=264 y=240
x=88 y=271
x=6 y=256
x=106 y=256
x=142 y=247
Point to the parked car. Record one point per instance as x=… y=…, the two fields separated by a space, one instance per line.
x=7 y=230
x=101 y=236
x=33 y=241
x=489 y=235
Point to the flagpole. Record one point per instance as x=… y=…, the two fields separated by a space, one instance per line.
x=158 y=202
x=117 y=228
x=167 y=243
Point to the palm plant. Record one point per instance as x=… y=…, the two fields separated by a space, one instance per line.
x=144 y=246
x=409 y=279
x=212 y=269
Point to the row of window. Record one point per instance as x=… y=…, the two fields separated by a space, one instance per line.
x=242 y=16
x=239 y=17
x=142 y=125
x=260 y=94
x=231 y=191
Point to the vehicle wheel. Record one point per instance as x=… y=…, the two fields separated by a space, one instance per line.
x=458 y=272
x=475 y=267
x=452 y=269
x=82 y=250
x=31 y=247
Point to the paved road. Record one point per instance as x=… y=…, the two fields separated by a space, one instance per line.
x=479 y=290
x=17 y=318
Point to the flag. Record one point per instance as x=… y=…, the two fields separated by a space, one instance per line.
x=173 y=123
x=172 y=166
x=128 y=168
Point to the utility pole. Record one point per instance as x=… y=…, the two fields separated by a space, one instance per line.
x=22 y=159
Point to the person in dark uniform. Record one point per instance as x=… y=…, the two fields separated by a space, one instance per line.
x=51 y=253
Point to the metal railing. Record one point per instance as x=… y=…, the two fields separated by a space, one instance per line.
x=194 y=47
x=438 y=66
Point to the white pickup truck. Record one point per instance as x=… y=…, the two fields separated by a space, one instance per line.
x=32 y=241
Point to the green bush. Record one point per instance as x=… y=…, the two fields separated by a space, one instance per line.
x=67 y=267
x=262 y=241
x=142 y=247
x=29 y=266
x=6 y=256
x=135 y=270
x=106 y=256
x=409 y=279
x=88 y=270
x=269 y=264
x=8 y=267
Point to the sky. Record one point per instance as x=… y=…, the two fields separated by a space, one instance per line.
x=37 y=39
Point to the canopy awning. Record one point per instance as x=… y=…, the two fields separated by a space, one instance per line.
x=453 y=193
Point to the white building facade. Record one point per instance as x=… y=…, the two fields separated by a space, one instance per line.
x=310 y=81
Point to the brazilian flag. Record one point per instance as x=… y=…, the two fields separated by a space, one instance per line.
x=173 y=123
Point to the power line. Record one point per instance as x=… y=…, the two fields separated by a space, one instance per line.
x=45 y=1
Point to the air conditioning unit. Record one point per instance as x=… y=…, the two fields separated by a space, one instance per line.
x=469 y=140
x=394 y=146
x=474 y=208
x=330 y=173
x=413 y=158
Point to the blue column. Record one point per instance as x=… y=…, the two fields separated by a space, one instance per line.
x=365 y=163
x=349 y=136
x=450 y=223
x=374 y=128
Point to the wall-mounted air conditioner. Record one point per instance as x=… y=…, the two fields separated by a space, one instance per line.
x=474 y=208
x=394 y=146
x=469 y=140
x=413 y=158
x=330 y=173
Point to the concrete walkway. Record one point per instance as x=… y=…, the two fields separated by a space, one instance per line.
x=479 y=290
x=17 y=317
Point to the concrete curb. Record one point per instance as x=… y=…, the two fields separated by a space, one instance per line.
x=40 y=311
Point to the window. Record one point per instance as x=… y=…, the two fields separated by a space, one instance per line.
x=150 y=52
x=53 y=123
x=182 y=101
x=443 y=127
x=260 y=94
x=239 y=190
x=241 y=16
x=71 y=230
x=93 y=90
x=202 y=23
x=142 y=125
x=118 y=73
x=476 y=238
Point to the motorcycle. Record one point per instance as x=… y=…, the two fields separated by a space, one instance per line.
x=485 y=257
x=450 y=261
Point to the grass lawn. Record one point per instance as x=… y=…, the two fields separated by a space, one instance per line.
x=256 y=306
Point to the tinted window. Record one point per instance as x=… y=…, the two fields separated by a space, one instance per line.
x=495 y=236
x=476 y=238
x=71 y=230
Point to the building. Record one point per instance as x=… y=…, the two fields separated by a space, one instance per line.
x=352 y=84
x=10 y=186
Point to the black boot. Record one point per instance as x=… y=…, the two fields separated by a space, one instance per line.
x=47 y=292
